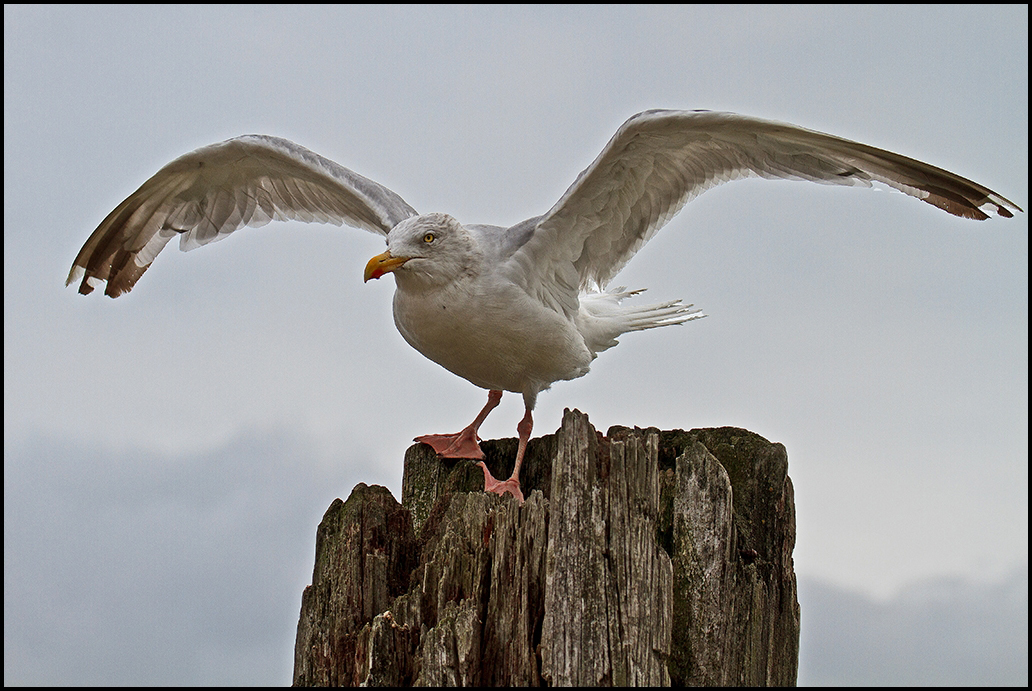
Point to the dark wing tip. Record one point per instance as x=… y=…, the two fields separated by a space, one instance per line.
x=969 y=202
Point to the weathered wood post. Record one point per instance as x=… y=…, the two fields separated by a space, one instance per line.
x=640 y=558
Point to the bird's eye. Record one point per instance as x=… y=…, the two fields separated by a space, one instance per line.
x=428 y=238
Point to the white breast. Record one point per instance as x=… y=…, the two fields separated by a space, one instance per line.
x=491 y=334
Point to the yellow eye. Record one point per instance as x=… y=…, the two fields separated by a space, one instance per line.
x=428 y=238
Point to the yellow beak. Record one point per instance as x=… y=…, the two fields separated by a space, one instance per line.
x=383 y=263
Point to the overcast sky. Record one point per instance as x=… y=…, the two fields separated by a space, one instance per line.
x=168 y=455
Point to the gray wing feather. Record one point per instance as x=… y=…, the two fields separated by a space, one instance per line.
x=659 y=160
x=211 y=192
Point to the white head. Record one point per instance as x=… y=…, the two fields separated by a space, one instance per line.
x=431 y=249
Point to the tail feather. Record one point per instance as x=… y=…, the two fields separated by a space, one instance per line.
x=603 y=318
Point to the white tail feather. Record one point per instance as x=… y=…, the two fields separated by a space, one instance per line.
x=602 y=317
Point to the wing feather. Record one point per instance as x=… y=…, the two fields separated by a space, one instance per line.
x=213 y=191
x=660 y=160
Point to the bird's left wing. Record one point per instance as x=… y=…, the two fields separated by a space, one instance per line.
x=659 y=160
x=211 y=192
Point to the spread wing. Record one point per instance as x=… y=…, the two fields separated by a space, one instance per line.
x=211 y=192
x=659 y=160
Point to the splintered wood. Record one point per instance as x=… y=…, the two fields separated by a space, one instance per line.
x=642 y=558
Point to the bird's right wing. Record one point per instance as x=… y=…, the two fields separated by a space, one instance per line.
x=215 y=190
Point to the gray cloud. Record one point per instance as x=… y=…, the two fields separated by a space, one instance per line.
x=132 y=568
x=937 y=632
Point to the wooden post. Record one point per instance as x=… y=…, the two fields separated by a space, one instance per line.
x=639 y=558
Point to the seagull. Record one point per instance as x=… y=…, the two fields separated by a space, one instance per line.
x=508 y=309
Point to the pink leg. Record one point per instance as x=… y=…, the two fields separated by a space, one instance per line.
x=463 y=444
x=512 y=485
